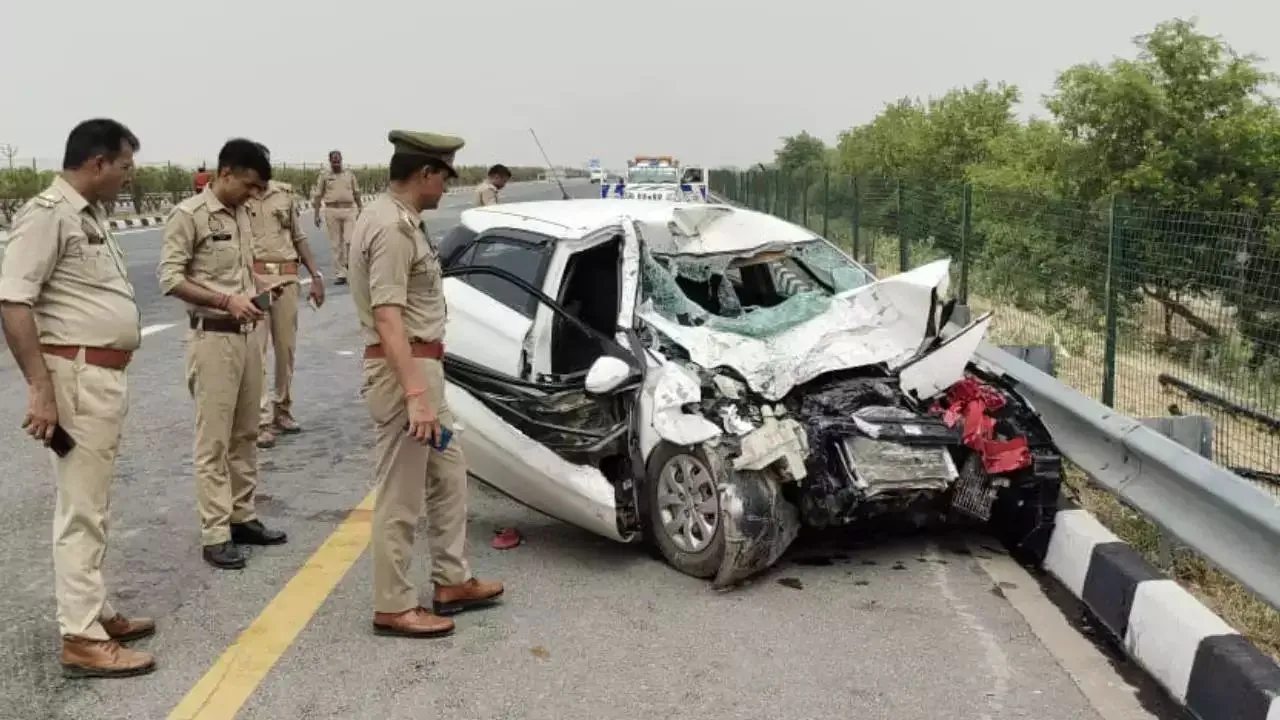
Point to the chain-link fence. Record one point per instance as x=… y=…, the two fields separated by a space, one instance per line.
x=1153 y=312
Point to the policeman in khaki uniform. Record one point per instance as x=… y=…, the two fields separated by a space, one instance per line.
x=278 y=244
x=396 y=286
x=497 y=178
x=71 y=322
x=337 y=188
x=206 y=259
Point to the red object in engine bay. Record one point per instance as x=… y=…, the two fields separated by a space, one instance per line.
x=972 y=402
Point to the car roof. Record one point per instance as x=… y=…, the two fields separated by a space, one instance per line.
x=703 y=228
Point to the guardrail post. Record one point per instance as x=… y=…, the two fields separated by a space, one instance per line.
x=773 y=204
x=1115 y=249
x=826 y=197
x=856 y=219
x=904 y=259
x=966 y=226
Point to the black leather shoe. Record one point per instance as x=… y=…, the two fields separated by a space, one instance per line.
x=224 y=555
x=255 y=533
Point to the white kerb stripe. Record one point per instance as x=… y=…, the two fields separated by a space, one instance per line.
x=1166 y=625
x=1075 y=534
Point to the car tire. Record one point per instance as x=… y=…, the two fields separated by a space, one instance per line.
x=692 y=551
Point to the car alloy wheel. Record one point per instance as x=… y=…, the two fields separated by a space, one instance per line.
x=688 y=503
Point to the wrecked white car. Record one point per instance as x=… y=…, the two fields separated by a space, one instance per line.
x=710 y=379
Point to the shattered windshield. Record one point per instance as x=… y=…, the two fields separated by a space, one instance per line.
x=756 y=296
x=652 y=175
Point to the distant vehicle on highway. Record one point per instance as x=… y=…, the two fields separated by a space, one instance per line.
x=709 y=379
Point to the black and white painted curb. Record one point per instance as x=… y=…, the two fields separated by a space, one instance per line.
x=1198 y=658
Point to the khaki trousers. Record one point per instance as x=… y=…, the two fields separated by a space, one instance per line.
x=339 y=223
x=224 y=376
x=280 y=335
x=92 y=403
x=410 y=475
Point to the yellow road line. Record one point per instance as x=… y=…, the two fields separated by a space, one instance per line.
x=242 y=666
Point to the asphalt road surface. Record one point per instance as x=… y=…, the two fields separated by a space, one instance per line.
x=914 y=627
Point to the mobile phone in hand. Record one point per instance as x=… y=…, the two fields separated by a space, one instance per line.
x=61 y=443
x=262 y=301
x=442 y=441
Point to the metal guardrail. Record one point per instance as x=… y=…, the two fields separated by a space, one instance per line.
x=1224 y=517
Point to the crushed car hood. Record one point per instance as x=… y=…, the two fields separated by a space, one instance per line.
x=882 y=322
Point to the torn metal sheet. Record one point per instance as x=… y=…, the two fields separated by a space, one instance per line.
x=883 y=322
x=672 y=388
x=699 y=230
x=525 y=469
x=938 y=370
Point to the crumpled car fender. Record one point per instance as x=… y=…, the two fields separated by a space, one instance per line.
x=668 y=388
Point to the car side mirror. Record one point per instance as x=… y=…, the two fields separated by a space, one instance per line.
x=607 y=373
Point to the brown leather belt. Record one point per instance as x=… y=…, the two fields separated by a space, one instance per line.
x=429 y=349
x=222 y=325
x=109 y=358
x=289 y=267
x=338 y=205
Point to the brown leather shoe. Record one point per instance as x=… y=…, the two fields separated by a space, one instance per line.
x=453 y=599
x=266 y=438
x=286 y=425
x=414 y=622
x=122 y=629
x=85 y=658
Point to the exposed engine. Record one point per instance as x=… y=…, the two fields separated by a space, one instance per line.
x=853 y=446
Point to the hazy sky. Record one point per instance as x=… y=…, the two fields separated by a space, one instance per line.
x=712 y=81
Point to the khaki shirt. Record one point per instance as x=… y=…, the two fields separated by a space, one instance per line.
x=210 y=244
x=486 y=194
x=63 y=262
x=394 y=263
x=334 y=187
x=273 y=219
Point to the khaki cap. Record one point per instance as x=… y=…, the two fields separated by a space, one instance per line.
x=440 y=147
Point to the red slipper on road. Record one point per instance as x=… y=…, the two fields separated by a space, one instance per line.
x=506 y=538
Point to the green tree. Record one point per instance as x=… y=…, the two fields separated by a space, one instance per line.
x=800 y=153
x=1185 y=128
